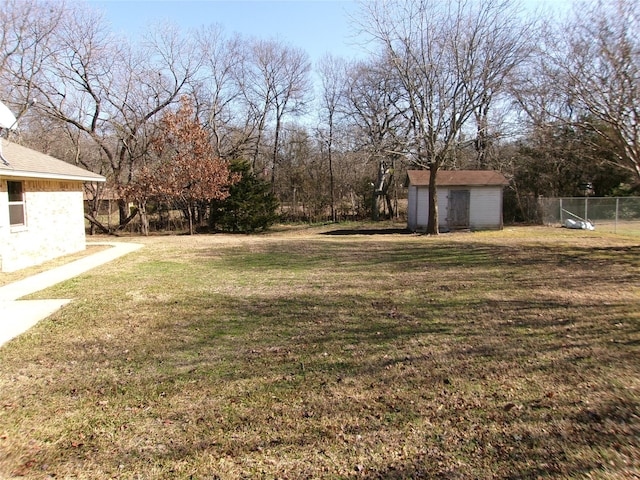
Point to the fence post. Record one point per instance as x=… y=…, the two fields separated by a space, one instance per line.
x=586 y=206
x=615 y=225
x=561 y=222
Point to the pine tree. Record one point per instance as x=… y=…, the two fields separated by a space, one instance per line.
x=250 y=207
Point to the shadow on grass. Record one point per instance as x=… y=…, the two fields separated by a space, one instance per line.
x=530 y=266
x=399 y=360
x=369 y=231
x=284 y=349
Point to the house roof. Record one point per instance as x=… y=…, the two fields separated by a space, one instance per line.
x=24 y=162
x=458 y=178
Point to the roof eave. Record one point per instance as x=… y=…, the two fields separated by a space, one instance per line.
x=468 y=185
x=51 y=176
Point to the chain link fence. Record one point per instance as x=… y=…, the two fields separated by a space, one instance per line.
x=607 y=214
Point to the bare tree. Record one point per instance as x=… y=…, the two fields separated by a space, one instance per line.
x=301 y=185
x=107 y=91
x=448 y=57
x=535 y=87
x=601 y=71
x=332 y=72
x=218 y=92
x=276 y=85
x=25 y=42
x=151 y=79
x=374 y=100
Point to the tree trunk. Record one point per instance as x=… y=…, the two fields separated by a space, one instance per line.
x=331 y=181
x=331 y=189
x=481 y=142
x=276 y=140
x=107 y=229
x=387 y=197
x=144 y=218
x=482 y=139
x=432 y=224
x=123 y=211
x=375 y=210
x=94 y=214
x=95 y=222
x=190 y=216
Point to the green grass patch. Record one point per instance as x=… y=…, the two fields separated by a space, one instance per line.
x=302 y=354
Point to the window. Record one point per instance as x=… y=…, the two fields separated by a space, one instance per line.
x=16 y=203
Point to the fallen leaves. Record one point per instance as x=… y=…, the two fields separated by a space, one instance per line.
x=240 y=370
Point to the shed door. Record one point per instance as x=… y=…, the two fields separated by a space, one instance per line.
x=459 y=209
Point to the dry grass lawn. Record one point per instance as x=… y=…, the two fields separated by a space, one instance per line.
x=316 y=353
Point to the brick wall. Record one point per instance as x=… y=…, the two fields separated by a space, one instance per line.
x=54 y=223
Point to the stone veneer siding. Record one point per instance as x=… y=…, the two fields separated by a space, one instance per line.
x=54 y=227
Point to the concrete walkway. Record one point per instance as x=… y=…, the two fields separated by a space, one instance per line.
x=18 y=316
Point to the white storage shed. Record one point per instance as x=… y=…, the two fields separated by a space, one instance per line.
x=467 y=199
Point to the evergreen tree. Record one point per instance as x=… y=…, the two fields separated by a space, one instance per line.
x=250 y=207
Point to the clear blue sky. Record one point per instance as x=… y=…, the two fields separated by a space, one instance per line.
x=316 y=26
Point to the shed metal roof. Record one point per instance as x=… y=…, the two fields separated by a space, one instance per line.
x=458 y=178
x=27 y=163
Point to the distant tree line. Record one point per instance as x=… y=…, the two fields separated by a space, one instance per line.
x=192 y=119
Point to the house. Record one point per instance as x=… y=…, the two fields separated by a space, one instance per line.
x=41 y=207
x=467 y=199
